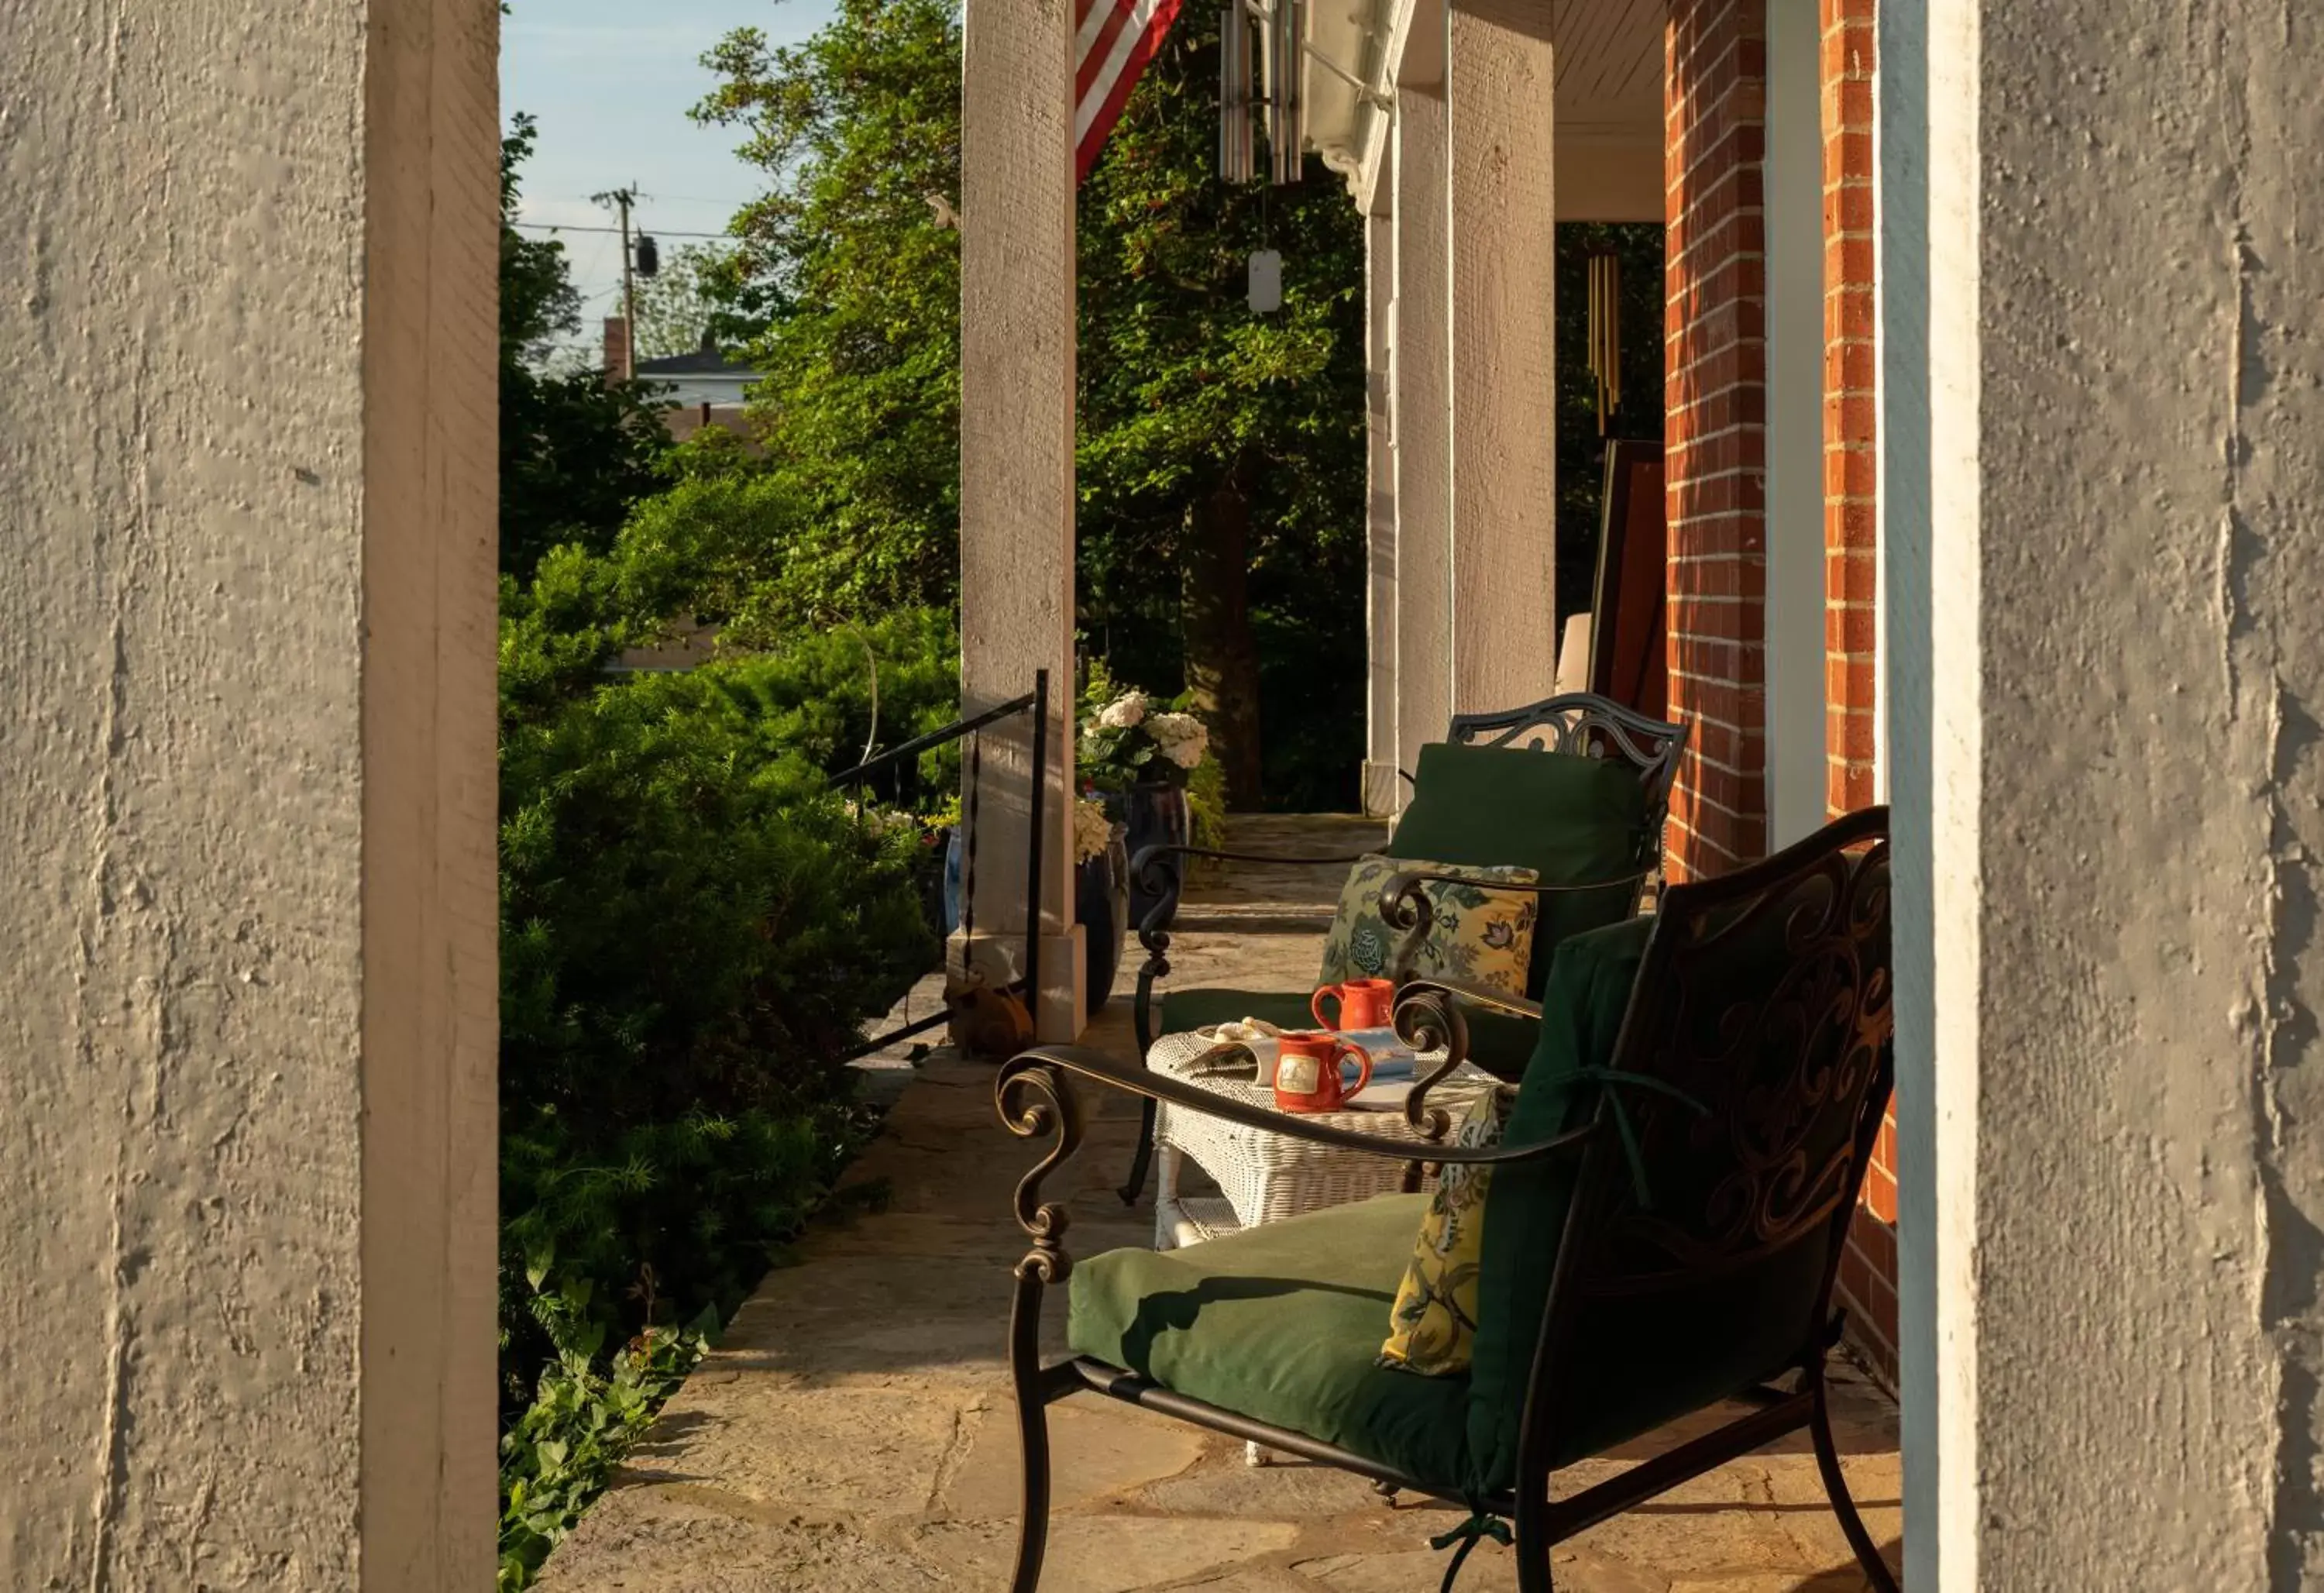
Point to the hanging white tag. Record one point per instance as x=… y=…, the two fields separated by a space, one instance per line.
x=1266 y=281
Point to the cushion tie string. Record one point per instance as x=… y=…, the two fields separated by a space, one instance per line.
x=1622 y=1125
x=1481 y=1524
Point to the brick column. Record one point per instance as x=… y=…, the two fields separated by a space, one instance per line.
x=1715 y=372
x=1868 y=1273
x=1850 y=406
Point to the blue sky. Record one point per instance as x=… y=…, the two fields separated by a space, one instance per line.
x=610 y=82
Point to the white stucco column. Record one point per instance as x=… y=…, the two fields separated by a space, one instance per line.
x=247 y=979
x=1420 y=420
x=1017 y=466
x=2103 y=464
x=1504 y=241
x=1381 y=787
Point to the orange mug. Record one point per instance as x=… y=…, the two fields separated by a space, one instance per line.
x=1364 y=1004
x=1307 y=1076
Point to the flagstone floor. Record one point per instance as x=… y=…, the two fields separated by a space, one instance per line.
x=853 y=1431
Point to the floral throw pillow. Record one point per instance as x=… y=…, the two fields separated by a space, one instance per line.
x=1432 y=1324
x=1479 y=937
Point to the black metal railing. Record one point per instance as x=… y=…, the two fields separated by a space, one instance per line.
x=1037 y=703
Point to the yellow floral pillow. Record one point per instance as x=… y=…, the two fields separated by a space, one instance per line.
x=1482 y=937
x=1434 y=1321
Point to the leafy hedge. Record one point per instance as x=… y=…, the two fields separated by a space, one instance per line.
x=693 y=926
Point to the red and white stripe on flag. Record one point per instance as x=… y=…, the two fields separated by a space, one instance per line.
x=1112 y=41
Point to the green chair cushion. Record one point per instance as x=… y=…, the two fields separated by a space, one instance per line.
x=1184 y=1011
x=1582 y=1008
x=1572 y=820
x=1499 y=1042
x=1282 y=1323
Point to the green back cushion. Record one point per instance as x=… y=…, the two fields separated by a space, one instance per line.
x=1588 y=992
x=1282 y=1323
x=1572 y=820
x=1204 y=1007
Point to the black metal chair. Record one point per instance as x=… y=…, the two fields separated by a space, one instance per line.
x=1576 y=723
x=1745 y=1089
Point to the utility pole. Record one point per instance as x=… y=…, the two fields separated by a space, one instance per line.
x=623 y=199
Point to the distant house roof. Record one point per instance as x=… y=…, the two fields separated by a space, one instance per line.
x=709 y=360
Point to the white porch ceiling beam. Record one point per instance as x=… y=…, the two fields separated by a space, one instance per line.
x=1609 y=72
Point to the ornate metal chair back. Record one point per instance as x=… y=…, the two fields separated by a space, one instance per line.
x=1706 y=1247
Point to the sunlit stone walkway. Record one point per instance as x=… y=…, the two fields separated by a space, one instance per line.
x=854 y=1430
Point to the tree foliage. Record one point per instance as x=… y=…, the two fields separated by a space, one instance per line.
x=1221 y=463
x=575 y=452
x=700 y=293
x=860 y=402
x=1220 y=452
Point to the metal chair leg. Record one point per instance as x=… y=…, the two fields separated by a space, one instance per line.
x=1142 y=1019
x=1144 y=1159
x=1835 y=1484
x=1533 y=1562
x=1032 y=1433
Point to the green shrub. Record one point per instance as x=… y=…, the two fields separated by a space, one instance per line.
x=693 y=928
x=814 y=693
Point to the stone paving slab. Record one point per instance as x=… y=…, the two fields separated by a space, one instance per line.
x=854 y=1433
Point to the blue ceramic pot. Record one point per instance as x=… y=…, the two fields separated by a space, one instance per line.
x=1155 y=815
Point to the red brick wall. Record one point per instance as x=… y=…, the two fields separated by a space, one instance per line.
x=1714 y=99
x=1867 y=1277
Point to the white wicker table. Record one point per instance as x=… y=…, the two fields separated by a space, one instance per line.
x=1262 y=1177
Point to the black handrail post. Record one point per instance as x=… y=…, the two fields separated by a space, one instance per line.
x=1033 y=904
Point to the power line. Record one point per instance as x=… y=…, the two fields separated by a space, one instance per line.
x=658 y=231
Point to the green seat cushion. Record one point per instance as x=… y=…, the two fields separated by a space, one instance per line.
x=1582 y=1008
x=1499 y=1042
x=1184 y=1011
x=1282 y=1324
x=1572 y=820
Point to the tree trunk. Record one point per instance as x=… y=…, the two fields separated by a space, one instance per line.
x=1214 y=613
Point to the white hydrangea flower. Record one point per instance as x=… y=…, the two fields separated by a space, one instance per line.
x=1093 y=830
x=1183 y=738
x=1123 y=712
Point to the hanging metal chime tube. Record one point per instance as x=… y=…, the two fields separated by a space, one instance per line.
x=1605 y=335
x=1235 y=150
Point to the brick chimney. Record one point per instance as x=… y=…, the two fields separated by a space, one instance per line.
x=617 y=350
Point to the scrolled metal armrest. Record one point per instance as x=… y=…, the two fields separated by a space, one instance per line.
x=1467 y=994
x=1038 y=1073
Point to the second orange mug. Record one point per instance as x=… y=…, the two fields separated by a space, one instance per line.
x=1364 y=1004
x=1307 y=1073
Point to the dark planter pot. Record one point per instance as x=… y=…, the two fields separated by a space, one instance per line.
x=1156 y=815
x=1102 y=907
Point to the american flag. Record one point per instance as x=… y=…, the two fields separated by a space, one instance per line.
x=1112 y=41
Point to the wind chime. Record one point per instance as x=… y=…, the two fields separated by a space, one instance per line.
x=1606 y=333
x=1262 y=44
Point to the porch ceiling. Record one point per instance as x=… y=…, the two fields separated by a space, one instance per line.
x=1609 y=98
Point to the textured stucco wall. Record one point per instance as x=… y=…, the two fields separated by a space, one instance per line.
x=2102 y=287
x=186 y=483
x=1016 y=343
x=1420 y=421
